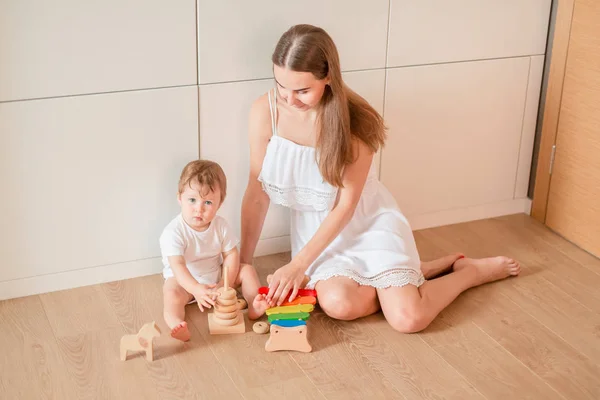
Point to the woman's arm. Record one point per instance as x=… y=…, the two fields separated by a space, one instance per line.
x=290 y=276
x=255 y=203
x=231 y=263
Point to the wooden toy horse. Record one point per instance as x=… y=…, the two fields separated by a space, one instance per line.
x=143 y=340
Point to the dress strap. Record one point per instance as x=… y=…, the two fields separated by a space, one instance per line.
x=273 y=110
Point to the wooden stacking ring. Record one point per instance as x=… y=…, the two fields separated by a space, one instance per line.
x=225 y=315
x=241 y=303
x=260 y=327
x=227 y=294
x=226 y=309
x=227 y=302
x=227 y=322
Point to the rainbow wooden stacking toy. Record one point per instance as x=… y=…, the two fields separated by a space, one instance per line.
x=288 y=322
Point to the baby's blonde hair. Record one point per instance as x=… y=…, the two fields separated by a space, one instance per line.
x=208 y=174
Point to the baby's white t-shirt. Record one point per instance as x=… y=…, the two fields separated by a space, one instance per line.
x=202 y=251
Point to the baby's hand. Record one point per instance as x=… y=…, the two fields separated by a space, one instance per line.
x=205 y=295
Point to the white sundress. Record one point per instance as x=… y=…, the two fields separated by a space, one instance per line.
x=376 y=248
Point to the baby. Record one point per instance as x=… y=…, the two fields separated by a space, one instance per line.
x=197 y=244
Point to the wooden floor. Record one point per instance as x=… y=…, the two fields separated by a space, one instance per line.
x=531 y=337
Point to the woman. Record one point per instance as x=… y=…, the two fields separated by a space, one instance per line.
x=312 y=141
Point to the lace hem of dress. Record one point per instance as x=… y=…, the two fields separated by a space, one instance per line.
x=395 y=277
x=289 y=197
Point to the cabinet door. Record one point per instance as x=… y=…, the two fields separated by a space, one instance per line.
x=455 y=133
x=573 y=208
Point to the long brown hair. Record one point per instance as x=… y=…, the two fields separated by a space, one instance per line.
x=343 y=115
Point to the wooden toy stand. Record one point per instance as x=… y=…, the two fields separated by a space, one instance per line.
x=288 y=322
x=227 y=316
x=288 y=338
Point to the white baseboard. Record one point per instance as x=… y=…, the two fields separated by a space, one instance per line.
x=273 y=245
x=528 y=205
x=455 y=216
x=77 y=278
x=108 y=273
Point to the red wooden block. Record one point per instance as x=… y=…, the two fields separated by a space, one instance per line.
x=301 y=292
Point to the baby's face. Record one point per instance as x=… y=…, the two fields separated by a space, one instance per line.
x=199 y=206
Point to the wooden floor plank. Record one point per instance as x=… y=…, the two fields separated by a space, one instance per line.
x=535 y=336
x=179 y=365
x=560 y=313
x=78 y=311
x=30 y=360
x=294 y=388
x=89 y=332
x=531 y=248
x=338 y=365
x=572 y=316
x=92 y=359
x=487 y=365
x=568 y=371
x=532 y=228
x=491 y=308
x=410 y=364
x=253 y=370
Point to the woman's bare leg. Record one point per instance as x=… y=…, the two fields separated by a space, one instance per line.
x=410 y=309
x=342 y=298
x=431 y=269
x=489 y=265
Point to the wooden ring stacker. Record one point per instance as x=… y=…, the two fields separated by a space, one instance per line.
x=225 y=315
x=227 y=302
x=229 y=322
x=227 y=297
x=228 y=293
x=226 y=309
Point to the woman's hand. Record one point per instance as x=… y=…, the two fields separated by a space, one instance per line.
x=289 y=277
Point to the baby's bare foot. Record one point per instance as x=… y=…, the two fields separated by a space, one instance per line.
x=258 y=307
x=490 y=269
x=181 y=332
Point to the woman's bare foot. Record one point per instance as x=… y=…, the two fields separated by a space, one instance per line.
x=258 y=307
x=181 y=332
x=432 y=269
x=489 y=269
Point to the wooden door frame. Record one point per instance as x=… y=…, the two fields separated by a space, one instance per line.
x=551 y=106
